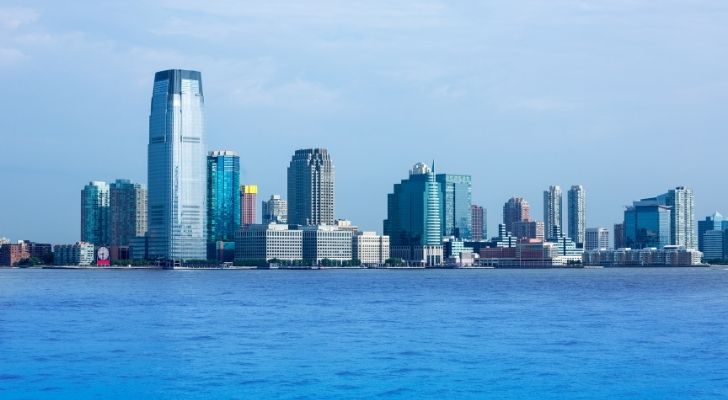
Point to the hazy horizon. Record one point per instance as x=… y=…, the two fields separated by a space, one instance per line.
x=618 y=96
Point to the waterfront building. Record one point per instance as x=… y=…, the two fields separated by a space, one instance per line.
x=80 y=253
x=647 y=224
x=454 y=247
x=552 y=217
x=577 y=214
x=455 y=205
x=682 y=223
x=504 y=238
x=670 y=256
x=275 y=210
x=619 y=236
x=714 y=245
x=127 y=215
x=138 y=248
x=269 y=242
x=311 y=188
x=567 y=250
x=370 y=248
x=516 y=209
x=325 y=242
x=528 y=230
x=713 y=222
x=95 y=213
x=596 y=239
x=248 y=200
x=479 y=223
x=413 y=217
x=13 y=253
x=223 y=198
x=177 y=198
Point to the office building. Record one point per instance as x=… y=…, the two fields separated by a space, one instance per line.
x=177 y=173
x=223 y=199
x=269 y=242
x=529 y=230
x=619 y=236
x=516 y=209
x=311 y=188
x=577 y=214
x=80 y=253
x=275 y=210
x=413 y=218
x=455 y=205
x=326 y=242
x=647 y=224
x=596 y=239
x=248 y=200
x=127 y=215
x=552 y=217
x=95 y=213
x=370 y=248
x=713 y=222
x=714 y=245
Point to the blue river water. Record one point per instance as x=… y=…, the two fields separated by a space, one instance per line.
x=530 y=334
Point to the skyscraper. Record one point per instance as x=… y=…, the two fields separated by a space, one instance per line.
x=176 y=167
x=516 y=209
x=577 y=214
x=456 y=195
x=647 y=224
x=95 y=213
x=311 y=188
x=223 y=200
x=248 y=200
x=619 y=242
x=275 y=210
x=413 y=217
x=713 y=222
x=478 y=222
x=682 y=225
x=128 y=214
x=552 y=217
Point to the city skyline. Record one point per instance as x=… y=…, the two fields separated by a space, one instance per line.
x=410 y=98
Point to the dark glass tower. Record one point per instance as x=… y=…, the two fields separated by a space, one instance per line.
x=311 y=188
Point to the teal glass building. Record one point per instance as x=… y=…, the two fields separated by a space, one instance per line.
x=177 y=209
x=95 y=213
x=647 y=224
x=223 y=198
x=413 y=210
x=456 y=194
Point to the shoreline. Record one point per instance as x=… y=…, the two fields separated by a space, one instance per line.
x=315 y=268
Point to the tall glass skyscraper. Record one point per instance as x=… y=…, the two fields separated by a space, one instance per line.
x=223 y=201
x=455 y=210
x=95 y=213
x=552 y=217
x=413 y=210
x=311 y=188
x=647 y=224
x=577 y=214
x=176 y=167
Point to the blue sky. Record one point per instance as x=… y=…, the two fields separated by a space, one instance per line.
x=626 y=97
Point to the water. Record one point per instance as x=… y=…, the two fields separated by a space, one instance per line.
x=560 y=334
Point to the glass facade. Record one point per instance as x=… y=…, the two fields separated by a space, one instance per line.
x=552 y=217
x=413 y=210
x=95 y=213
x=456 y=205
x=223 y=201
x=311 y=188
x=647 y=225
x=177 y=210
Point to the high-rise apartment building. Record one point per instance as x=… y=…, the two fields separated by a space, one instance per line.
x=552 y=216
x=516 y=209
x=248 y=200
x=95 y=213
x=223 y=200
x=477 y=214
x=177 y=198
x=311 y=188
x=576 y=200
x=529 y=230
x=682 y=225
x=275 y=210
x=619 y=242
x=455 y=207
x=596 y=239
x=128 y=212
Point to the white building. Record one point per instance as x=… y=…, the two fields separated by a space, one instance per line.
x=80 y=253
x=370 y=248
x=275 y=210
x=596 y=239
x=577 y=213
x=326 y=242
x=552 y=217
x=267 y=242
x=670 y=256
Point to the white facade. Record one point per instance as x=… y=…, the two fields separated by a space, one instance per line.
x=80 y=253
x=326 y=242
x=552 y=216
x=267 y=242
x=577 y=213
x=275 y=210
x=596 y=239
x=370 y=248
